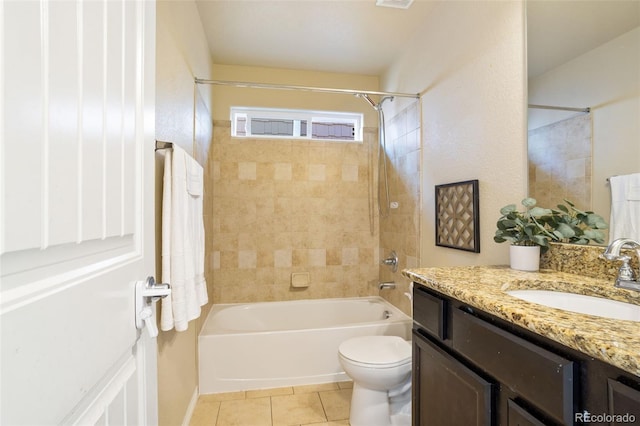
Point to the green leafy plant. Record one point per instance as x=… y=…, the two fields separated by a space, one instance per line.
x=575 y=226
x=524 y=228
x=539 y=226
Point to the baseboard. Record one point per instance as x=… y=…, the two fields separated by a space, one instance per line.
x=191 y=408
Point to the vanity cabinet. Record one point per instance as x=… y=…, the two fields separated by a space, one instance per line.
x=470 y=368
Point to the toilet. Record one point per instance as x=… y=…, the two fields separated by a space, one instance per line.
x=380 y=367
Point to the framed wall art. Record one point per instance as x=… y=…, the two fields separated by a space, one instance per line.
x=458 y=216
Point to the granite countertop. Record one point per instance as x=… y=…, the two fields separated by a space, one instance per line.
x=615 y=342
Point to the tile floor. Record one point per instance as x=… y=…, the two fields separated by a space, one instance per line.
x=314 y=405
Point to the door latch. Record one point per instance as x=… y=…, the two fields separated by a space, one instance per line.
x=147 y=293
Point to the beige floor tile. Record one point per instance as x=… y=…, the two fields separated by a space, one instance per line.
x=315 y=388
x=226 y=396
x=244 y=412
x=346 y=385
x=205 y=413
x=297 y=409
x=270 y=392
x=336 y=403
x=337 y=423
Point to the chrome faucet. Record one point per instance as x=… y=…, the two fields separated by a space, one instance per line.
x=390 y=285
x=626 y=279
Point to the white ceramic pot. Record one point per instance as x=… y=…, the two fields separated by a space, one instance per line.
x=524 y=258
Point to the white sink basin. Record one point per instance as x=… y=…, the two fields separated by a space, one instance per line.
x=580 y=303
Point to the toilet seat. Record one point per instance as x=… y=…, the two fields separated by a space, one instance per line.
x=376 y=351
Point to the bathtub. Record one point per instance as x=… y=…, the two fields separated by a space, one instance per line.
x=273 y=344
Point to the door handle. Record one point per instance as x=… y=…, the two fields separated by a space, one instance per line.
x=147 y=293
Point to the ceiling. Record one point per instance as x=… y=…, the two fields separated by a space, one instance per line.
x=358 y=37
x=347 y=36
x=561 y=30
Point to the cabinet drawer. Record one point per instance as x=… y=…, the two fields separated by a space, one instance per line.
x=539 y=376
x=428 y=311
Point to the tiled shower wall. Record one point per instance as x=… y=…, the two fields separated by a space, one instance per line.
x=560 y=162
x=400 y=230
x=289 y=206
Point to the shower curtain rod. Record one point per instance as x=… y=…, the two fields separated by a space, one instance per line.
x=303 y=88
x=585 y=110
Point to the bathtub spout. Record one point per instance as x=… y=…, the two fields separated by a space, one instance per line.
x=390 y=285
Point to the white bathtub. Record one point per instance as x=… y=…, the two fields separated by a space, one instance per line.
x=273 y=344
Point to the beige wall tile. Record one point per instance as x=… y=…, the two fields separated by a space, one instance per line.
x=560 y=162
x=283 y=258
x=316 y=172
x=247 y=171
x=214 y=260
x=400 y=230
x=308 y=211
x=317 y=257
x=283 y=171
x=293 y=206
x=350 y=256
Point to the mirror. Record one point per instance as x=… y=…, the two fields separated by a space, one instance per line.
x=582 y=54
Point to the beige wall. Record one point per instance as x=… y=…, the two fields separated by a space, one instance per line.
x=469 y=59
x=181 y=55
x=607 y=80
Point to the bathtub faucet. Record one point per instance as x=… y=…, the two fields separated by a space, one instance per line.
x=391 y=261
x=390 y=285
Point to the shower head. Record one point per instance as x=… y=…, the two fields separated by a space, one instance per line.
x=370 y=101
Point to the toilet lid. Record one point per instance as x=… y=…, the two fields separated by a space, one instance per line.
x=385 y=350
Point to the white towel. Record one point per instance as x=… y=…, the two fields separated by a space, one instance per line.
x=182 y=240
x=625 y=207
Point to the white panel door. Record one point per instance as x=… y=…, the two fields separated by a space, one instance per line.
x=76 y=211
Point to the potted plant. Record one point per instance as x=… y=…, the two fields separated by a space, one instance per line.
x=526 y=232
x=570 y=225
x=530 y=231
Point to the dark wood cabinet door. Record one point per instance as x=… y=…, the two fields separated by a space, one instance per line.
x=446 y=392
x=624 y=403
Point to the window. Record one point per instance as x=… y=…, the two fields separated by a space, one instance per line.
x=288 y=123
